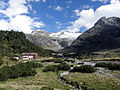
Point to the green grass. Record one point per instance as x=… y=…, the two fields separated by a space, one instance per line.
x=99 y=82
x=35 y=82
x=102 y=59
x=41 y=79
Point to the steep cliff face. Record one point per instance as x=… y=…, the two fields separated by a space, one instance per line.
x=45 y=40
x=104 y=35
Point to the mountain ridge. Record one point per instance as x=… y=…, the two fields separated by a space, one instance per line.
x=45 y=40
x=104 y=35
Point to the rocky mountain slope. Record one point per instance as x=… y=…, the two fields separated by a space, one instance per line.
x=103 y=36
x=49 y=41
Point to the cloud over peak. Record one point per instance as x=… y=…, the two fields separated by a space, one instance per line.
x=87 y=18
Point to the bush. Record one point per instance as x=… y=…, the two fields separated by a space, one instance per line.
x=110 y=66
x=72 y=83
x=2 y=89
x=47 y=88
x=33 y=65
x=72 y=61
x=1 y=61
x=53 y=68
x=102 y=64
x=19 y=70
x=12 y=58
x=3 y=75
x=53 y=60
x=84 y=69
x=114 y=67
x=63 y=66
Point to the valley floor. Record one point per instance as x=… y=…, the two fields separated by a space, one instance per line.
x=98 y=80
x=34 y=82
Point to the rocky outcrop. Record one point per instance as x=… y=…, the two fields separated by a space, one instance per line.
x=43 y=39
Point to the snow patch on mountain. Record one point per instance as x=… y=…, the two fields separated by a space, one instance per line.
x=65 y=34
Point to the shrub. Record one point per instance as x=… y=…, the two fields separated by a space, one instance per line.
x=12 y=58
x=19 y=70
x=33 y=65
x=1 y=62
x=2 y=89
x=47 y=88
x=72 y=83
x=3 y=75
x=53 y=68
x=72 y=61
x=28 y=73
x=63 y=66
x=84 y=69
x=114 y=67
x=102 y=64
x=110 y=66
x=53 y=60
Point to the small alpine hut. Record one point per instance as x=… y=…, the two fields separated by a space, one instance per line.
x=29 y=56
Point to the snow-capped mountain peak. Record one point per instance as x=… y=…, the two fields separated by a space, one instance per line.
x=65 y=34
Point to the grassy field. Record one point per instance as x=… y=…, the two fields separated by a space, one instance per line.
x=98 y=82
x=101 y=59
x=35 y=82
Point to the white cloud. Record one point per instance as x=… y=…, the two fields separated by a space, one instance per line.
x=86 y=6
x=36 y=0
x=58 y=8
x=76 y=12
x=59 y=25
x=4 y=25
x=33 y=0
x=16 y=7
x=26 y=26
x=21 y=23
x=87 y=18
x=17 y=18
x=44 y=0
x=49 y=6
x=38 y=24
x=114 y=1
x=69 y=2
x=2 y=4
x=57 y=22
x=104 y=1
x=50 y=16
x=68 y=7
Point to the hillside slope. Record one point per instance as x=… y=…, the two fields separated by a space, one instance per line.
x=12 y=42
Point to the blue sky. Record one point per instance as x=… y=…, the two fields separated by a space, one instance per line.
x=54 y=15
